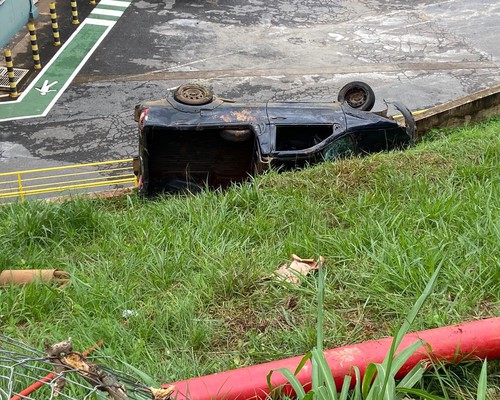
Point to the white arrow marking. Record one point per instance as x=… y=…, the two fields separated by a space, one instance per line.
x=46 y=87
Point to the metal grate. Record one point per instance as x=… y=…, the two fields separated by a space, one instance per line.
x=19 y=74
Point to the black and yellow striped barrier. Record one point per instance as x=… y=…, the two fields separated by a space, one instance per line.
x=10 y=74
x=55 y=25
x=34 y=46
x=74 y=13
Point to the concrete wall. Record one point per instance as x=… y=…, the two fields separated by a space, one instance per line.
x=14 y=14
x=470 y=109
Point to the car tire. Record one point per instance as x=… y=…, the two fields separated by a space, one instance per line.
x=193 y=94
x=358 y=95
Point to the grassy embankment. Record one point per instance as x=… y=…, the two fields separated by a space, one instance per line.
x=192 y=269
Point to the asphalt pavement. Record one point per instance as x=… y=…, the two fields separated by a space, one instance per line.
x=422 y=53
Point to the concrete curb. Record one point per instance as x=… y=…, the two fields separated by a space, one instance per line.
x=473 y=108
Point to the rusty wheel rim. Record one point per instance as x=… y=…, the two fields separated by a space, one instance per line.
x=193 y=94
x=356 y=97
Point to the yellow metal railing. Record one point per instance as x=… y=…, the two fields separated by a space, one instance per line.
x=64 y=180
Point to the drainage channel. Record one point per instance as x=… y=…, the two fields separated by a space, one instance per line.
x=19 y=74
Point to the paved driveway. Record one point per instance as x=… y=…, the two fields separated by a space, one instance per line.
x=421 y=52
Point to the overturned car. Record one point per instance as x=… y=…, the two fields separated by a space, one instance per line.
x=192 y=139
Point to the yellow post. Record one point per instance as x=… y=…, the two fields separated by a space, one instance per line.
x=93 y=2
x=34 y=46
x=74 y=13
x=10 y=74
x=55 y=26
x=20 y=184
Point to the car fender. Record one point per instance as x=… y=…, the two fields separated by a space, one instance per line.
x=408 y=117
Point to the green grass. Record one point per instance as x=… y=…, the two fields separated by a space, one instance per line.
x=192 y=268
x=378 y=382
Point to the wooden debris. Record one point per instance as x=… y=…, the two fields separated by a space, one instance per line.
x=64 y=360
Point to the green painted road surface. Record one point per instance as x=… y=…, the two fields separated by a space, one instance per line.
x=41 y=95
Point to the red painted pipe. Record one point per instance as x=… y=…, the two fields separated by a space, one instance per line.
x=470 y=340
x=37 y=385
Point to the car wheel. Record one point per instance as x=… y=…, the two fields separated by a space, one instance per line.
x=358 y=95
x=193 y=94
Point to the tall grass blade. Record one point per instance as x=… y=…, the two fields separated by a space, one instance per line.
x=407 y=322
x=482 y=386
x=306 y=357
x=309 y=396
x=325 y=374
x=321 y=300
x=390 y=388
x=292 y=379
x=357 y=387
x=381 y=383
x=345 y=388
x=419 y=392
x=370 y=373
x=438 y=366
x=316 y=375
x=403 y=356
x=315 y=378
x=412 y=377
x=322 y=394
x=145 y=378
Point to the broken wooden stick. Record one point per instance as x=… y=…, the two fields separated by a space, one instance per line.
x=64 y=359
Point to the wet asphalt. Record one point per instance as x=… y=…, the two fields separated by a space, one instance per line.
x=422 y=53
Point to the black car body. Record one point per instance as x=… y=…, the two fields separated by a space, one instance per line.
x=186 y=146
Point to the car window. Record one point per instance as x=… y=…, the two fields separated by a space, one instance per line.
x=301 y=137
x=340 y=148
x=371 y=141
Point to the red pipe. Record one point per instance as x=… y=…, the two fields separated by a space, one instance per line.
x=477 y=339
x=37 y=385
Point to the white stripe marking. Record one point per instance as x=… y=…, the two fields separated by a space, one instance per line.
x=102 y=22
x=90 y=21
x=77 y=69
x=47 y=66
x=61 y=91
x=103 y=11
x=116 y=3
